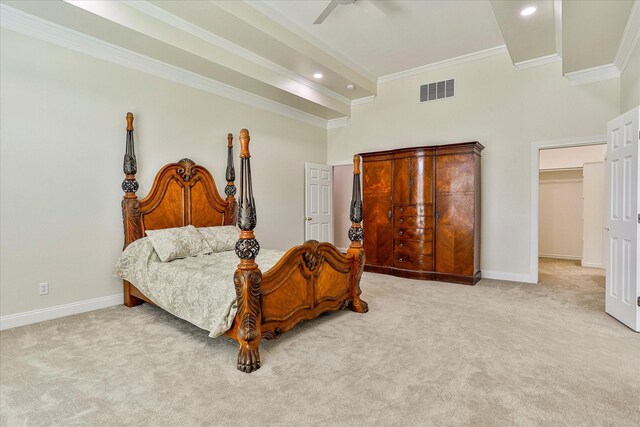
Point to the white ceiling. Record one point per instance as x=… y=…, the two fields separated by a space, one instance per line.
x=265 y=53
x=396 y=35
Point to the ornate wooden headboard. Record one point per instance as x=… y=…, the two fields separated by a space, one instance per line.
x=183 y=193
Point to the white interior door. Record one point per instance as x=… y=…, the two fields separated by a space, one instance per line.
x=623 y=220
x=318 y=202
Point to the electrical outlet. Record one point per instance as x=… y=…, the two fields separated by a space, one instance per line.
x=44 y=288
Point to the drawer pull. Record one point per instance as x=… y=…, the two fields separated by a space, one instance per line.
x=401 y=210
x=399 y=259
x=400 y=220
x=401 y=245
x=421 y=262
x=400 y=233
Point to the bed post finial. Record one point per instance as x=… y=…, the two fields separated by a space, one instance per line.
x=130 y=204
x=230 y=189
x=356 y=235
x=130 y=167
x=248 y=277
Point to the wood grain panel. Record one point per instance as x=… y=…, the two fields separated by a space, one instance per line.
x=377 y=212
x=201 y=211
x=170 y=211
x=455 y=173
x=421 y=180
x=330 y=285
x=402 y=181
x=293 y=294
x=455 y=235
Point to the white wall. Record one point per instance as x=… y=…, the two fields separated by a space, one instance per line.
x=560 y=220
x=593 y=234
x=630 y=82
x=342 y=189
x=506 y=110
x=572 y=157
x=63 y=135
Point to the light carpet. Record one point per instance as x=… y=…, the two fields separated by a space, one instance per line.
x=427 y=353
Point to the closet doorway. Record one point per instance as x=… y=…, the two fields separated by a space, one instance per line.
x=571 y=216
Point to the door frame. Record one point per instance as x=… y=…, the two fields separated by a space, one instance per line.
x=536 y=146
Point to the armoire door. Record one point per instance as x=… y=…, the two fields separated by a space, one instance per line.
x=377 y=212
x=455 y=214
x=413 y=212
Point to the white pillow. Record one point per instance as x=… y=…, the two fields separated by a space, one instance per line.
x=221 y=238
x=179 y=242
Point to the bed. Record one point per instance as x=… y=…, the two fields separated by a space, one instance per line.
x=304 y=282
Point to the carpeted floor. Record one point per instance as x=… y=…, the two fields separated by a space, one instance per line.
x=497 y=354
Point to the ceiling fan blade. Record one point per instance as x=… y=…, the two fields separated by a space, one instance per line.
x=327 y=10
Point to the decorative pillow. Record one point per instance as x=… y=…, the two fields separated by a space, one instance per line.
x=222 y=238
x=179 y=242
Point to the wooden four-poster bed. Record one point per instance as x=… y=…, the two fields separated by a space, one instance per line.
x=308 y=280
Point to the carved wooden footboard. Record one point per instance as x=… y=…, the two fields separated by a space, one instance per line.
x=309 y=280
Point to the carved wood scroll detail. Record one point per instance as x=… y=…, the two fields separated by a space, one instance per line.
x=187 y=169
x=313 y=258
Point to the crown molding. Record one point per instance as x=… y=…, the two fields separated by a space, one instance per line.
x=209 y=37
x=446 y=63
x=365 y=100
x=629 y=38
x=340 y=122
x=32 y=26
x=536 y=62
x=592 y=75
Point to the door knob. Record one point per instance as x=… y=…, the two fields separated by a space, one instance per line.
x=606 y=229
x=307 y=218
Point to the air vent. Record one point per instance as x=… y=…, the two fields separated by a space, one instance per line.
x=436 y=90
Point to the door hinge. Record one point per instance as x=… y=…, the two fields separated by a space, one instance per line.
x=638 y=301
x=638 y=218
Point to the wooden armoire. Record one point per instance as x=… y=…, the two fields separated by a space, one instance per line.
x=422 y=212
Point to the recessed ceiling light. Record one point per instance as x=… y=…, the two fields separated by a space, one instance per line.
x=351 y=86
x=317 y=75
x=528 y=11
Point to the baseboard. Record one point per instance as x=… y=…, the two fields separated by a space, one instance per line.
x=35 y=316
x=592 y=264
x=571 y=257
x=505 y=275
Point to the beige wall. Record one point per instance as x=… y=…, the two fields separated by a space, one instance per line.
x=572 y=157
x=560 y=220
x=342 y=189
x=63 y=137
x=630 y=82
x=506 y=110
x=593 y=195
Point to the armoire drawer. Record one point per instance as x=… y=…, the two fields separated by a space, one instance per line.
x=418 y=247
x=412 y=262
x=413 y=210
x=413 y=221
x=414 y=233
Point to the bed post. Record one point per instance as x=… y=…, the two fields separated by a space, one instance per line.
x=130 y=205
x=230 y=190
x=355 y=235
x=248 y=277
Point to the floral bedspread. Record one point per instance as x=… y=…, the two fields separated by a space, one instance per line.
x=197 y=289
